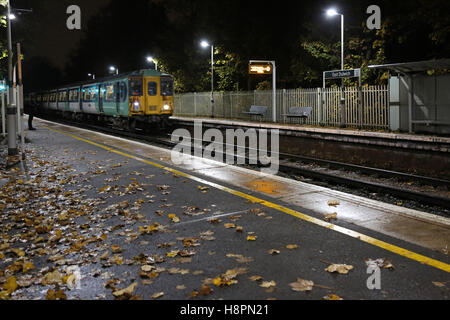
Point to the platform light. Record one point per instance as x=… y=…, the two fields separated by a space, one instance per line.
x=12 y=16
x=112 y=69
x=151 y=60
x=205 y=44
x=332 y=12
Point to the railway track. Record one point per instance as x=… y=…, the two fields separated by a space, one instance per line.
x=289 y=165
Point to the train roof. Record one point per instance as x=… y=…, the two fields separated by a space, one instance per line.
x=143 y=72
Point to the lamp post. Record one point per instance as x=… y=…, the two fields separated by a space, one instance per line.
x=205 y=44
x=151 y=60
x=332 y=13
x=12 y=107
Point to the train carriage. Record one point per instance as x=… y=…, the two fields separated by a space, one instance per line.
x=130 y=101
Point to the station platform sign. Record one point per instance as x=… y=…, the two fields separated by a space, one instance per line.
x=342 y=74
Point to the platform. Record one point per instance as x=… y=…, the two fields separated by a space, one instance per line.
x=407 y=141
x=413 y=154
x=120 y=188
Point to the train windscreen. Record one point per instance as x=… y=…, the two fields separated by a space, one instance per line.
x=166 y=87
x=136 y=87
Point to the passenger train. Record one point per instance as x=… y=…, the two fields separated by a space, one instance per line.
x=137 y=100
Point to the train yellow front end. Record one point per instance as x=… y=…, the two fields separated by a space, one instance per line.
x=151 y=96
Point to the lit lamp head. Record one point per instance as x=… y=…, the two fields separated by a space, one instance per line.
x=112 y=69
x=150 y=59
x=12 y=16
x=204 y=44
x=332 y=12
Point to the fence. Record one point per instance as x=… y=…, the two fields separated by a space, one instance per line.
x=373 y=112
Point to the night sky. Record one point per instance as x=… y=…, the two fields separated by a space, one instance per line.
x=51 y=38
x=296 y=34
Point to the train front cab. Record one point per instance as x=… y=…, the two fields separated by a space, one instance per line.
x=151 y=97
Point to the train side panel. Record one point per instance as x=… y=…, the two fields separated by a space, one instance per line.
x=74 y=100
x=89 y=99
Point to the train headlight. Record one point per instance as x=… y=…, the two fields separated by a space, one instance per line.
x=166 y=107
x=137 y=105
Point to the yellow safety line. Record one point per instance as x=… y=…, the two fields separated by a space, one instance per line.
x=381 y=244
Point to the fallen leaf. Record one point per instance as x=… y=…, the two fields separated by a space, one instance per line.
x=174 y=218
x=274 y=252
x=268 y=284
x=302 y=285
x=252 y=238
x=10 y=285
x=230 y=226
x=173 y=254
x=333 y=203
x=339 y=268
x=128 y=292
x=56 y=295
x=380 y=263
x=255 y=278
x=439 y=284
x=205 y=290
x=292 y=247
x=27 y=266
x=52 y=278
x=330 y=217
x=332 y=297
x=147 y=268
x=158 y=295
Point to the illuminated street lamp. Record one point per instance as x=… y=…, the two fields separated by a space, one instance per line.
x=91 y=75
x=12 y=16
x=332 y=13
x=205 y=45
x=151 y=60
x=114 y=69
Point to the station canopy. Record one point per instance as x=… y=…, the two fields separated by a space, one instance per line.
x=415 y=67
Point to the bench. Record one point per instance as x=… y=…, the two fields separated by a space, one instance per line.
x=299 y=112
x=257 y=111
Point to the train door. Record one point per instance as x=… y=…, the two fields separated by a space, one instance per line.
x=80 y=98
x=117 y=96
x=152 y=97
x=101 y=94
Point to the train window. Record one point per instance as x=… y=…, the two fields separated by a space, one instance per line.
x=166 y=87
x=123 y=91
x=52 y=97
x=90 y=94
x=45 y=98
x=152 y=89
x=135 y=87
x=73 y=95
x=62 y=96
x=109 y=93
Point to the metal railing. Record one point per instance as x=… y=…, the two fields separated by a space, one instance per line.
x=372 y=112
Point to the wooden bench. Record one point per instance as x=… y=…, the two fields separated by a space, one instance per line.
x=299 y=112
x=257 y=111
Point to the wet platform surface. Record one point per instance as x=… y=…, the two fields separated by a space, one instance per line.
x=130 y=219
x=333 y=131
